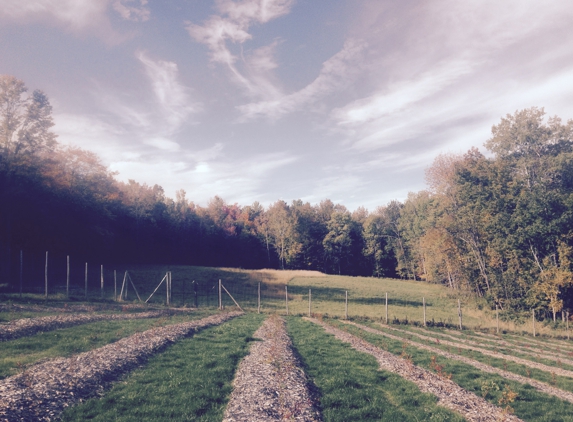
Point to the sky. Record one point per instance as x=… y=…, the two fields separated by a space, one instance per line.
x=261 y=100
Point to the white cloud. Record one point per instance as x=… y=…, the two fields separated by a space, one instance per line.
x=233 y=26
x=138 y=13
x=75 y=13
x=172 y=97
x=336 y=72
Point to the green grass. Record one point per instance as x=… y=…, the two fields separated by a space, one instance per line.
x=16 y=355
x=352 y=387
x=191 y=380
x=565 y=383
x=529 y=405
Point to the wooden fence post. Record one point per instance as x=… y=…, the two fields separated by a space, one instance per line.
x=309 y=303
x=533 y=320
x=46 y=277
x=460 y=313
x=220 y=297
x=286 y=298
x=346 y=305
x=386 y=308
x=195 y=303
x=497 y=318
x=259 y=299
x=86 y=282
x=424 y=304
x=21 y=271
x=115 y=285
x=167 y=289
x=101 y=282
x=567 y=325
x=68 y=277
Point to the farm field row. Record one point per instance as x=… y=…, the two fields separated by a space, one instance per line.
x=191 y=379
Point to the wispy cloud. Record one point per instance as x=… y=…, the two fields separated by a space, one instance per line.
x=232 y=26
x=137 y=13
x=336 y=72
x=172 y=97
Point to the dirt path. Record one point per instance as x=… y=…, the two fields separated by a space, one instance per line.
x=449 y=394
x=538 y=385
x=30 y=326
x=529 y=363
x=503 y=345
x=43 y=391
x=269 y=384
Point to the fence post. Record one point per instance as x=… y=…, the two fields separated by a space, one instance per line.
x=220 y=297
x=424 y=304
x=68 y=277
x=286 y=298
x=567 y=325
x=497 y=318
x=460 y=313
x=346 y=305
x=21 y=271
x=115 y=285
x=46 y=277
x=195 y=294
x=101 y=280
x=386 y=308
x=259 y=299
x=309 y=303
x=533 y=320
x=167 y=289
x=86 y=282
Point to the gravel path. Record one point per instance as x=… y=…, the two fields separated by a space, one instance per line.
x=31 y=326
x=538 y=385
x=501 y=344
x=526 y=362
x=269 y=384
x=449 y=394
x=43 y=391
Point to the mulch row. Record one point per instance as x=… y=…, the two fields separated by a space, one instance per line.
x=43 y=391
x=269 y=384
x=538 y=385
x=30 y=326
x=449 y=394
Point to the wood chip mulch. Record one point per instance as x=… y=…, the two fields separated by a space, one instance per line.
x=526 y=362
x=43 y=391
x=503 y=345
x=31 y=326
x=538 y=385
x=269 y=384
x=449 y=394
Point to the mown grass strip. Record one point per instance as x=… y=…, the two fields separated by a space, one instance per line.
x=351 y=386
x=16 y=355
x=545 y=355
x=191 y=380
x=529 y=404
x=562 y=382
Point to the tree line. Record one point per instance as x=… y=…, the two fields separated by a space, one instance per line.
x=498 y=224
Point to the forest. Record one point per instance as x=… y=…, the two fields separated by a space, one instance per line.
x=497 y=224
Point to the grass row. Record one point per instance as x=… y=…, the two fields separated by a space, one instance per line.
x=565 y=383
x=530 y=354
x=191 y=380
x=351 y=386
x=16 y=355
x=528 y=403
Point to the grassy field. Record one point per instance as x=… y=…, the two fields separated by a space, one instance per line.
x=351 y=386
x=198 y=286
x=528 y=404
x=190 y=381
x=16 y=355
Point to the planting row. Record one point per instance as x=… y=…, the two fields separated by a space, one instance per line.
x=332 y=370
